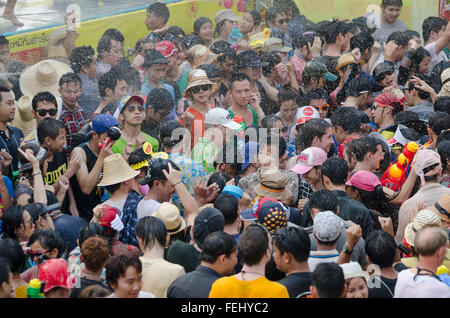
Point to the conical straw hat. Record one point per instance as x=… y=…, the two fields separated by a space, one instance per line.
x=116 y=170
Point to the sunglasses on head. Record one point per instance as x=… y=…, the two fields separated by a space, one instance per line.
x=33 y=254
x=204 y=88
x=132 y=108
x=43 y=112
x=383 y=74
x=322 y=108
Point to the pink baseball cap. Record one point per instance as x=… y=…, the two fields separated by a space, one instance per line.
x=308 y=159
x=364 y=180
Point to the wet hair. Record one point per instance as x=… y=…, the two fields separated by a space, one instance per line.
x=363 y=146
x=293 y=240
x=159 y=99
x=443 y=137
x=43 y=97
x=314 y=94
x=140 y=44
x=272 y=12
x=69 y=78
x=89 y=230
x=35 y=209
x=3 y=40
x=400 y=38
x=312 y=128
x=336 y=169
x=95 y=253
x=49 y=240
x=12 y=220
x=151 y=231
x=49 y=127
x=167 y=130
x=238 y=77
x=323 y=200
x=328 y=279
x=191 y=40
x=160 y=10
x=11 y=250
x=81 y=56
x=419 y=55
x=381 y=248
x=256 y=17
x=155 y=171
x=303 y=40
x=130 y=75
x=109 y=80
x=422 y=94
x=273 y=58
x=432 y=24
x=396 y=3
x=220 y=178
x=363 y=41
x=380 y=71
x=216 y=244
x=275 y=139
x=229 y=206
x=199 y=23
x=253 y=244
x=358 y=85
x=212 y=70
x=269 y=121
x=231 y=157
x=117 y=266
x=222 y=47
x=442 y=104
x=438 y=122
x=110 y=108
x=105 y=42
x=333 y=29
x=345 y=117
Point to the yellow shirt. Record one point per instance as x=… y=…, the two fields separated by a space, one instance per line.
x=231 y=287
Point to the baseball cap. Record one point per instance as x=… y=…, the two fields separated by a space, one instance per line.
x=426 y=158
x=308 y=159
x=55 y=273
x=364 y=180
x=166 y=48
x=252 y=214
x=317 y=69
x=327 y=226
x=272 y=216
x=102 y=122
x=124 y=102
x=152 y=57
x=306 y=113
x=233 y=190
x=251 y=149
x=226 y=14
x=275 y=44
x=207 y=221
x=220 y=116
x=111 y=219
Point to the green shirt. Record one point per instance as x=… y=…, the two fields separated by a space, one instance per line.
x=255 y=115
x=183 y=81
x=119 y=145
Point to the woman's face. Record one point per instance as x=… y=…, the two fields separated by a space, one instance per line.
x=357 y=288
x=27 y=227
x=424 y=66
x=247 y=23
x=206 y=32
x=227 y=28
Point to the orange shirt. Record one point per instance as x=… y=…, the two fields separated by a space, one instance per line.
x=198 y=127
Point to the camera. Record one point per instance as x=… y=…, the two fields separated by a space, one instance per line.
x=113 y=133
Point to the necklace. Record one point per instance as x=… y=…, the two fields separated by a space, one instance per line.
x=254 y=273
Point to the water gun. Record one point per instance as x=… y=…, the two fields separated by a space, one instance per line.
x=397 y=172
x=240 y=121
x=35 y=289
x=234 y=37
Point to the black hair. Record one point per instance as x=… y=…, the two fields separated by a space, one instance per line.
x=396 y=3
x=118 y=265
x=376 y=200
x=252 y=131
x=216 y=244
x=293 y=240
x=43 y=97
x=152 y=231
x=155 y=171
x=229 y=206
x=358 y=85
x=109 y=80
x=399 y=37
x=419 y=55
x=104 y=44
x=3 y=89
x=272 y=12
x=140 y=44
x=35 y=209
x=333 y=29
x=275 y=139
x=443 y=137
x=312 y=128
x=130 y=75
x=212 y=70
x=3 y=40
x=112 y=188
x=328 y=279
x=438 y=122
x=432 y=24
x=273 y=58
x=81 y=56
x=336 y=169
x=365 y=145
x=199 y=23
x=345 y=117
x=138 y=155
x=253 y=244
x=444 y=151
x=256 y=17
x=88 y=230
x=364 y=41
x=69 y=78
x=232 y=157
x=422 y=94
x=110 y=108
x=268 y=121
x=173 y=33
x=380 y=71
x=300 y=41
x=442 y=104
x=381 y=248
x=323 y=200
x=314 y=93
x=220 y=178
x=12 y=220
x=159 y=99
x=5 y=270
x=168 y=128
x=11 y=250
x=159 y=9
x=238 y=77
x=222 y=47
x=191 y=40
x=49 y=240
x=435 y=76
x=227 y=52
x=49 y=127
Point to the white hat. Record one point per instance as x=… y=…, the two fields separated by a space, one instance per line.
x=220 y=116
x=306 y=113
x=327 y=226
x=422 y=219
x=352 y=270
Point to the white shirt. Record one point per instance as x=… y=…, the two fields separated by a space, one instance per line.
x=140 y=295
x=147 y=208
x=436 y=58
x=423 y=286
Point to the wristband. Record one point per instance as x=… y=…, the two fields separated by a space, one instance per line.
x=36 y=173
x=177 y=183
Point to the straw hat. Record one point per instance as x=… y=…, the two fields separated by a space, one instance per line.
x=43 y=76
x=170 y=215
x=198 y=77
x=422 y=219
x=442 y=207
x=257 y=40
x=273 y=185
x=199 y=55
x=23 y=118
x=344 y=60
x=116 y=170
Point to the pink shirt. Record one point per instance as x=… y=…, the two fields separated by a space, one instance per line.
x=299 y=66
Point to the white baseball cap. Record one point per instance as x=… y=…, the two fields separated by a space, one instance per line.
x=306 y=113
x=220 y=116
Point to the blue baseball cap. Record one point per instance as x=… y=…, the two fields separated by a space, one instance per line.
x=250 y=151
x=233 y=190
x=102 y=122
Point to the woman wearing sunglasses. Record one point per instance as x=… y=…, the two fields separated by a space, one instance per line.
x=319 y=99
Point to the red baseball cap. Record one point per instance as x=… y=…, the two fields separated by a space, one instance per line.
x=166 y=48
x=55 y=273
x=111 y=219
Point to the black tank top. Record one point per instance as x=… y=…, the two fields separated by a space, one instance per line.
x=86 y=203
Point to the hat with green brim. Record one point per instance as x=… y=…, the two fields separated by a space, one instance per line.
x=318 y=69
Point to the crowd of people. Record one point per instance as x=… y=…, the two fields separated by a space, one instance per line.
x=262 y=156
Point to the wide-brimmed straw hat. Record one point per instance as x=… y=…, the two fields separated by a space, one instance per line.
x=422 y=219
x=170 y=215
x=273 y=185
x=199 y=55
x=198 y=77
x=116 y=170
x=23 y=118
x=43 y=76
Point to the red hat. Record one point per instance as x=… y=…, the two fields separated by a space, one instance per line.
x=55 y=273
x=166 y=48
x=389 y=100
x=364 y=180
x=111 y=219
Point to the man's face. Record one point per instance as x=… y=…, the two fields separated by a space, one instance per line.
x=114 y=55
x=378 y=114
x=4 y=54
x=120 y=91
x=57 y=144
x=280 y=22
x=70 y=93
x=7 y=107
x=230 y=263
x=388 y=80
x=129 y=285
x=254 y=72
x=288 y=111
x=153 y=22
x=133 y=113
x=166 y=190
x=92 y=68
x=44 y=108
x=277 y=258
x=326 y=141
x=312 y=176
x=391 y=14
x=409 y=95
x=157 y=72
x=157 y=116
x=227 y=66
x=377 y=158
x=240 y=92
x=321 y=106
